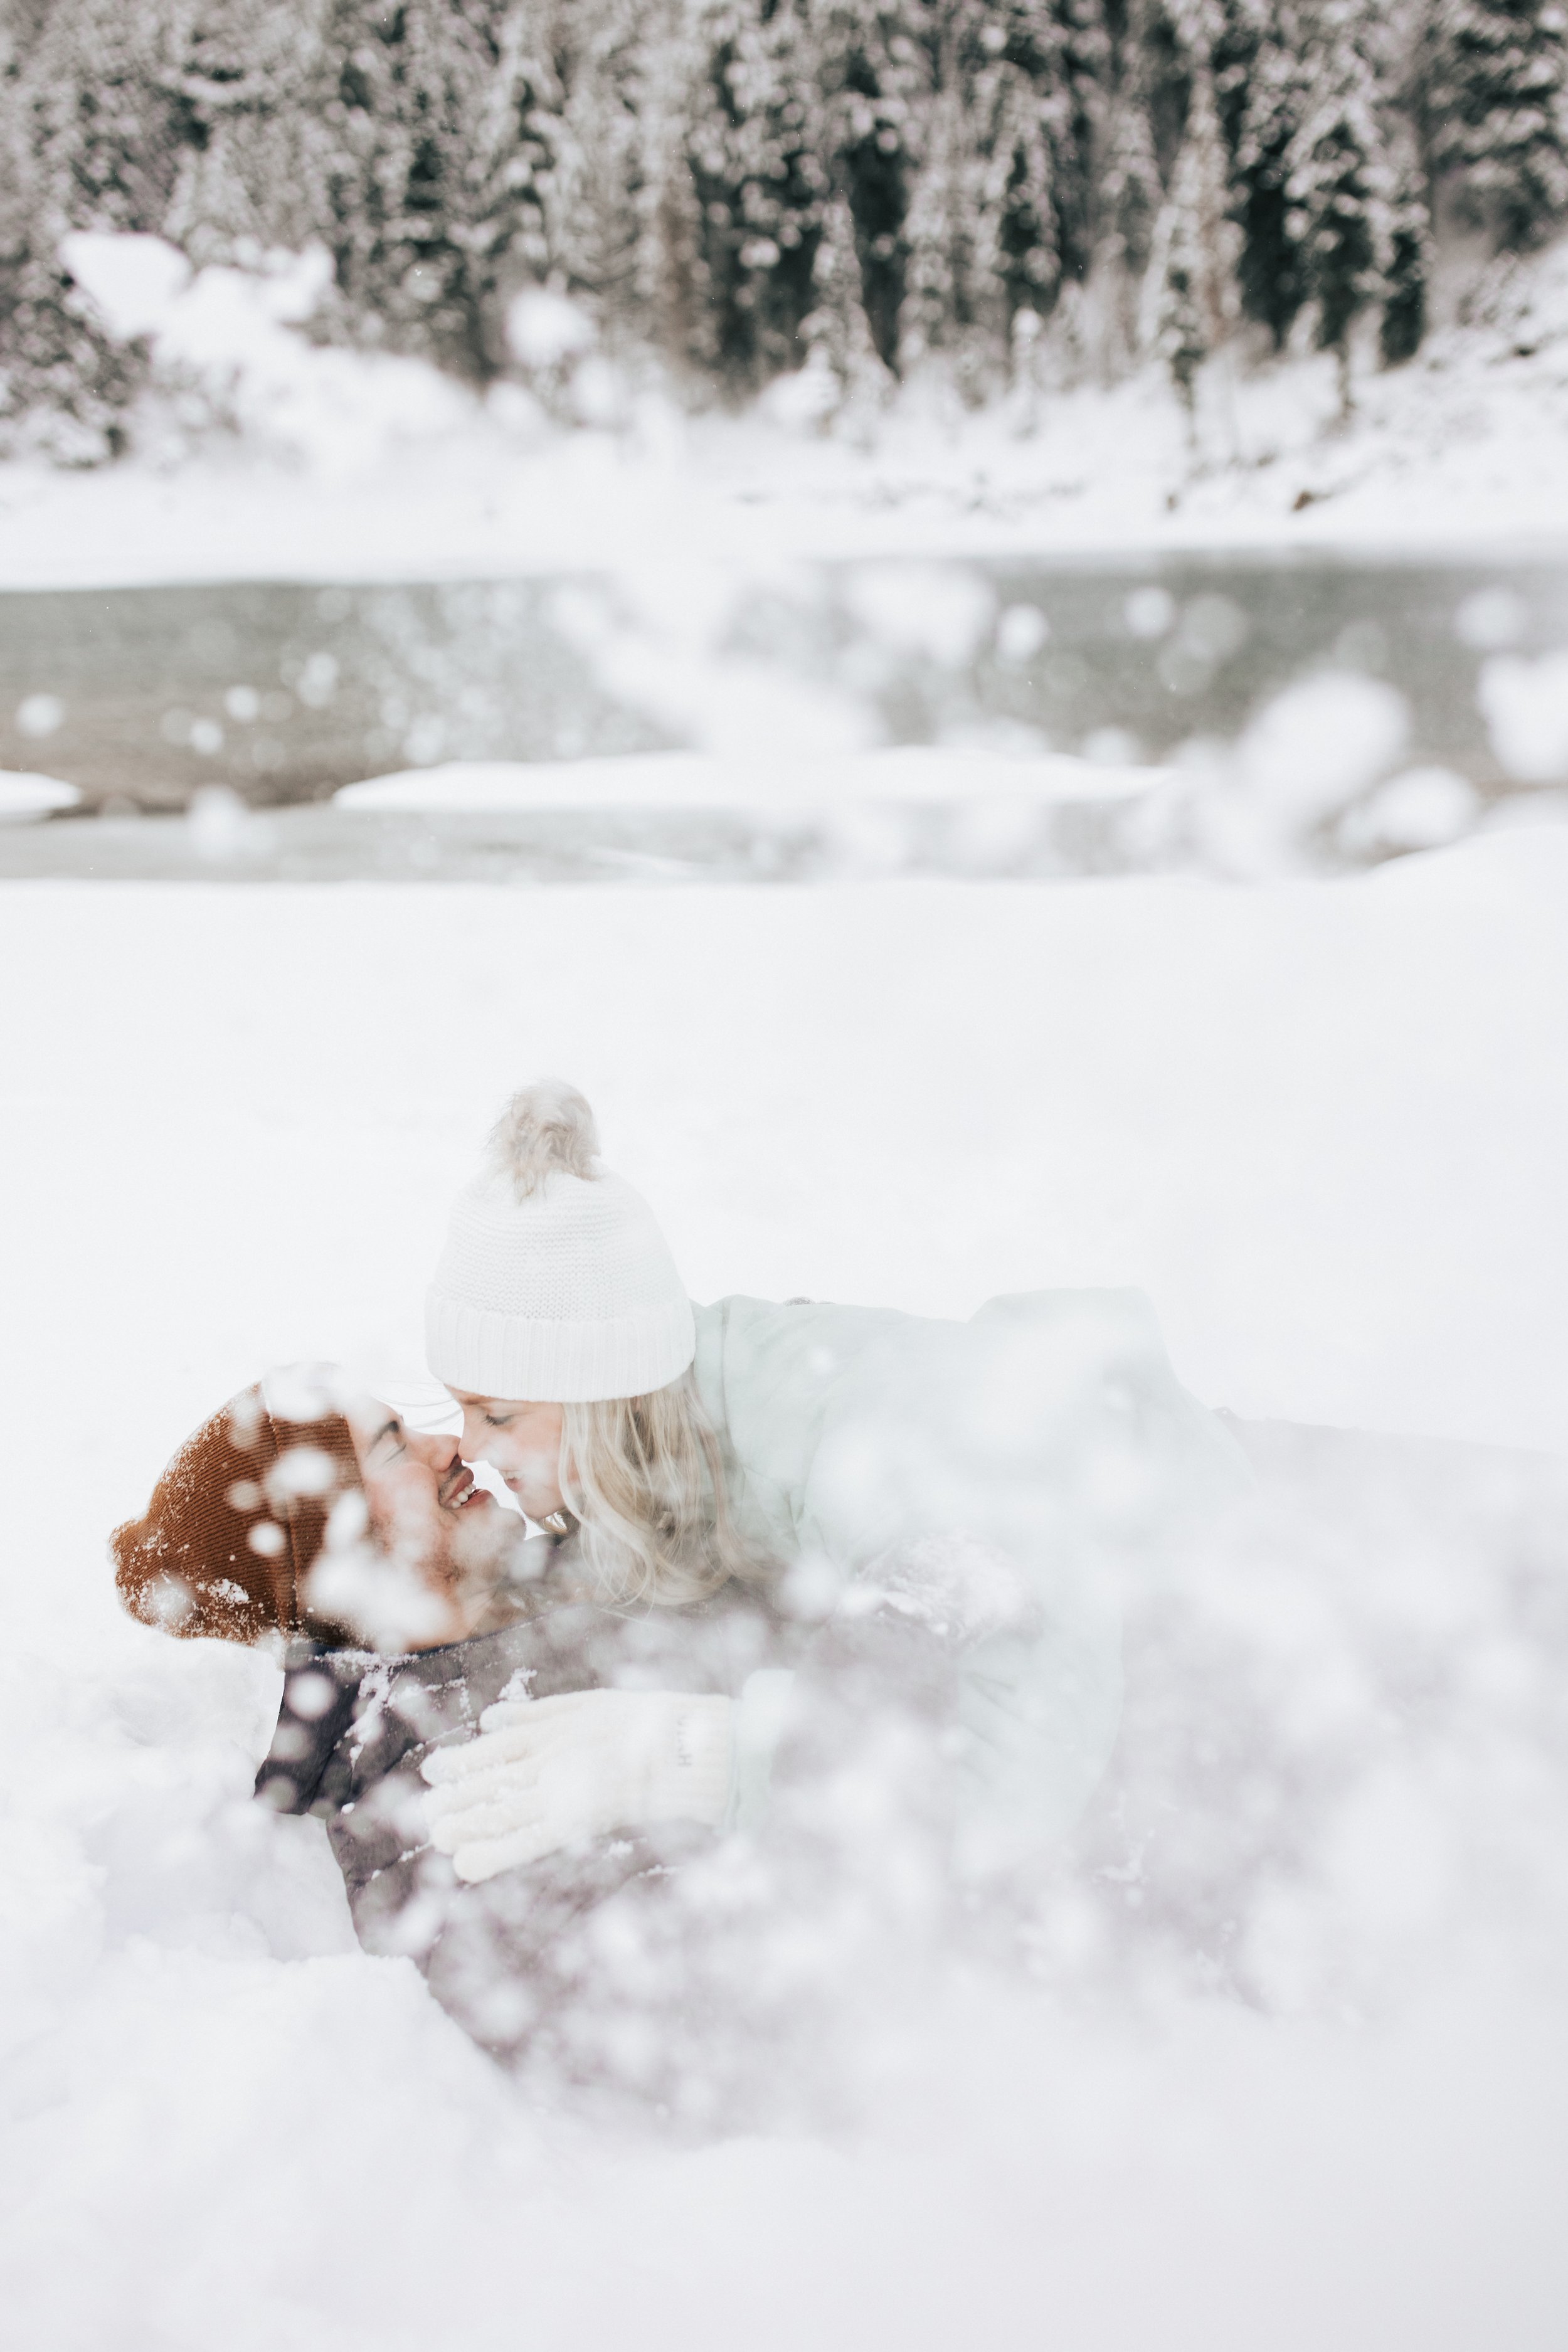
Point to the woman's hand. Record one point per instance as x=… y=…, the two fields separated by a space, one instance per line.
x=552 y=1772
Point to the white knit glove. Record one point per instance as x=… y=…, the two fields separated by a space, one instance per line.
x=550 y=1772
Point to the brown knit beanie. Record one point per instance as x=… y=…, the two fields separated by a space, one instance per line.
x=234 y=1525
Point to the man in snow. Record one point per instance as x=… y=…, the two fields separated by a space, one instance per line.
x=298 y=1508
x=407 y=1607
x=636 y=1943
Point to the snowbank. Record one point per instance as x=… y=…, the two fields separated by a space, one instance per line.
x=677 y=779
x=226 y=337
x=24 y=795
x=334 y=467
x=1327 y=1126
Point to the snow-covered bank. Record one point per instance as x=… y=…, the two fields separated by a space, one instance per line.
x=909 y=774
x=370 y=469
x=1327 y=1126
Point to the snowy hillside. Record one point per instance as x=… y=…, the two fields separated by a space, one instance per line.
x=355 y=468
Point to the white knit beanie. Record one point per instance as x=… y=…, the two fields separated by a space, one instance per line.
x=555 y=1286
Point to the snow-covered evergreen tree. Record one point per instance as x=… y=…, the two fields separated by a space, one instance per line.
x=875 y=77
x=754 y=152
x=1001 y=205
x=426 y=172
x=104 y=117
x=1341 y=188
x=1494 y=95
x=1263 y=77
x=1129 y=192
x=1193 y=286
x=612 y=98
x=246 y=77
x=1407 y=266
x=952 y=295
x=88 y=140
x=736 y=183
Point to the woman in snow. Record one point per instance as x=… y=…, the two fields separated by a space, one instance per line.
x=974 y=1493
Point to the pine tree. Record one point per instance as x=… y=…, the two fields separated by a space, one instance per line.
x=753 y=151
x=1197 y=246
x=1494 y=102
x=86 y=142
x=1265 y=87
x=1152 y=67
x=836 y=330
x=876 y=78
x=612 y=223
x=1130 y=197
x=243 y=76
x=1022 y=191
x=1002 y=208
x=947 y=241
x=1129 y=193
x=1065 y=48
x=1124 y=169
x=102 y=118
x=1340 y=186
x=1409 y=265
x=426 y=177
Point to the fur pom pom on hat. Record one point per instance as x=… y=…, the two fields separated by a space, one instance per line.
x=556 y=1286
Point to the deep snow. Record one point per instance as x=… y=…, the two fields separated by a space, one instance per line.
x=1326 y=1126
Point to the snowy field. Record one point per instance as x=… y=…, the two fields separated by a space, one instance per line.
x=1324 y=1125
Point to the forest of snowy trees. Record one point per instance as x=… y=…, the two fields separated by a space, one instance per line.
x=736 y=185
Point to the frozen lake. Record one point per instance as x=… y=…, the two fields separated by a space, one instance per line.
x=283 y=692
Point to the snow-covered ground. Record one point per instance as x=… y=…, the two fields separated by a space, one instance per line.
x=1326 y=1126
x=343 y=467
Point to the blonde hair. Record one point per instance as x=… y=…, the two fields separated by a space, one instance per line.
x=643 y=1483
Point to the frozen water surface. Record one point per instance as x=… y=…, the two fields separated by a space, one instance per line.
x=285 y=691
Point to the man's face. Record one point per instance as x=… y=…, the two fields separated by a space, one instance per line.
x=520 y=1441
x=423 y=1505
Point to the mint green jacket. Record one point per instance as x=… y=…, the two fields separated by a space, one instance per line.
x=1006 y=1478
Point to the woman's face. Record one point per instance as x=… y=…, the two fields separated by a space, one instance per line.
x=521 y=1442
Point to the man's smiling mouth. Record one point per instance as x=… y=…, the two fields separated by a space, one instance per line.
x=458 y=1491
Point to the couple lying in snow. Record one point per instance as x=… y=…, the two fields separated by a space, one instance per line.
x=809 y=1581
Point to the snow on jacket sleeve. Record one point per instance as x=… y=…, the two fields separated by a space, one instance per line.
x=1007 y=1476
